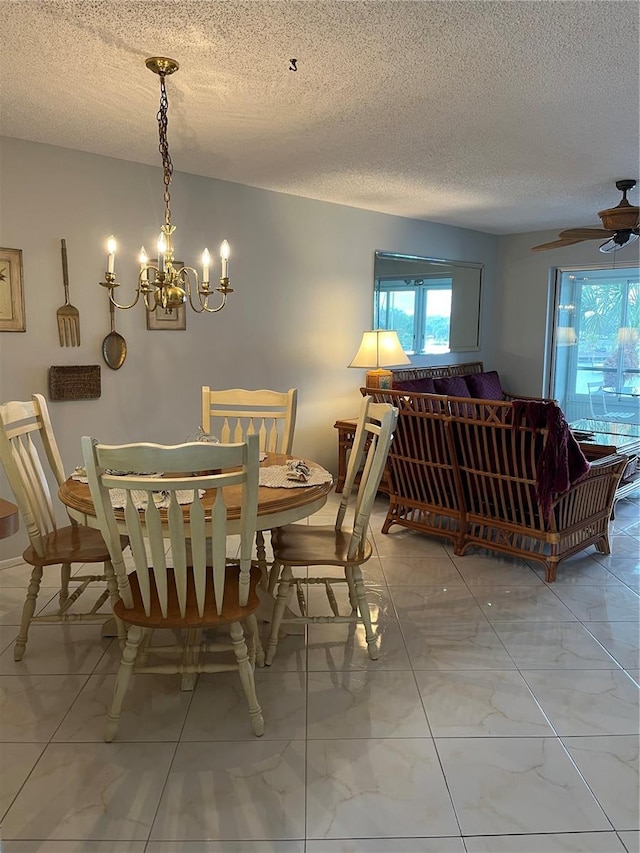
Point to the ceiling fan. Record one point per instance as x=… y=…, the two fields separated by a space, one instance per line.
x=620 y=226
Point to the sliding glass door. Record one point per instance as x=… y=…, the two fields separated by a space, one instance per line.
x=596 y=342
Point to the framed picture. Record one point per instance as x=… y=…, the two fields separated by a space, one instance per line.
x=161 y=320
x=12 y=316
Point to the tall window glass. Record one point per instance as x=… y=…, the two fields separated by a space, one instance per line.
x=596 y=344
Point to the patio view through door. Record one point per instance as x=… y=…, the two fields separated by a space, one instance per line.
x=596 y=340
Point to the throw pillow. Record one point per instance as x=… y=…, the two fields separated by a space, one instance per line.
x=421 y=386
x=454 y=386
x=485 y=386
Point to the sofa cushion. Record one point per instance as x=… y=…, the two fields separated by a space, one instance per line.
x=485 y=386
x=454 y=386
x=421 y=386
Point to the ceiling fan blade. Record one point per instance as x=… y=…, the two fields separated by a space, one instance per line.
x=556 y=244
x=586 y=233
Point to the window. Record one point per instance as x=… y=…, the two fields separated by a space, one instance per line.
x=419 y=309
x=596 y=361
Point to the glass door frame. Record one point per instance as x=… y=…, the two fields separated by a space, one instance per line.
x=553 y=318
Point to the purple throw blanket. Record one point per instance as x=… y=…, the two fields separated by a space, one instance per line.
x=562 y=463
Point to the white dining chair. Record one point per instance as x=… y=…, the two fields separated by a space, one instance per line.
x=344 y=544
x=233 y=413
x=200 y=588
x=30 y=458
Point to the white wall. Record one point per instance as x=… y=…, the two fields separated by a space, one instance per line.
x=303 y=277
x=523 y=301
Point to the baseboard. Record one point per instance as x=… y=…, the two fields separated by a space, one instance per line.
x=11 y=561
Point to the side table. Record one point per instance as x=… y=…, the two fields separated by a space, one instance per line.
x=9 y=519
x=346 y=433
x=607 y=437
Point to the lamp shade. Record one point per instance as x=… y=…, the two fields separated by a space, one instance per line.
x=379 y=349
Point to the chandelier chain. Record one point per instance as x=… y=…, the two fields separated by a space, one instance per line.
x=167 y=165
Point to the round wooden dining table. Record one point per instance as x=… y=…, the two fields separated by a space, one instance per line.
x=276 y=506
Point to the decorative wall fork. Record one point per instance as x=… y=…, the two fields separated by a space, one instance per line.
x=68 y=316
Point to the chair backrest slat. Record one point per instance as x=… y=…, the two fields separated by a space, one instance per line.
x=234 y=413
x=374 y=433
x=192 y=514
x=198 y=528
x=30 y=456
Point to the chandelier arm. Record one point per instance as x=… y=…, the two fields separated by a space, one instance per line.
x=190 y=279
x=205 y=306
x=151 y=307
x=110 y=283
x=124 y=307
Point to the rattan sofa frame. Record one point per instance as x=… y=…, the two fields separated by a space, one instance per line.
x=459 y=469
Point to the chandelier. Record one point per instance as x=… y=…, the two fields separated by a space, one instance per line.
x=168 y=285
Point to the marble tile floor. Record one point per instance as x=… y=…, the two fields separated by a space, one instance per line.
x=501 y=717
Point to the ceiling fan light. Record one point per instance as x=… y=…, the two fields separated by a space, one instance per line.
x=620 y=239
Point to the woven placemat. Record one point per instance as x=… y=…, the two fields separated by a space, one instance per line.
x=275 y=476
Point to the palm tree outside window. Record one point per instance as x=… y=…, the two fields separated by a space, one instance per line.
x=596 y=342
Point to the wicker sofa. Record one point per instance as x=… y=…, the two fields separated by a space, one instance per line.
x=499 y=474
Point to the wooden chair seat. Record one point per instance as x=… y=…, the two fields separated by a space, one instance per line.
x=73 y=544
x=304 y=545
x=232 y=610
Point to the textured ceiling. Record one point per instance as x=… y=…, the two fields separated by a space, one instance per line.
x=499 y=116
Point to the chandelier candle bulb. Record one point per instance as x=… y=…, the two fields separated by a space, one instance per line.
x=144 y=260
x=224 y=254
x=111 y=248
x=206 y=260
x=162 y=248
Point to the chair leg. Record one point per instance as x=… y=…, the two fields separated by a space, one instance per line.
x=190 y=658
x=274 y=574
x=603 y=546
x=285 y=589
x=551 y=570
x=27 y=612
x=257 y=653
x=261 y=556
x=246 y=677
x=363 y=606
x=129 y=654
x=353 y=598
x=65 y=577
x=143 y=651
x=114 y=597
